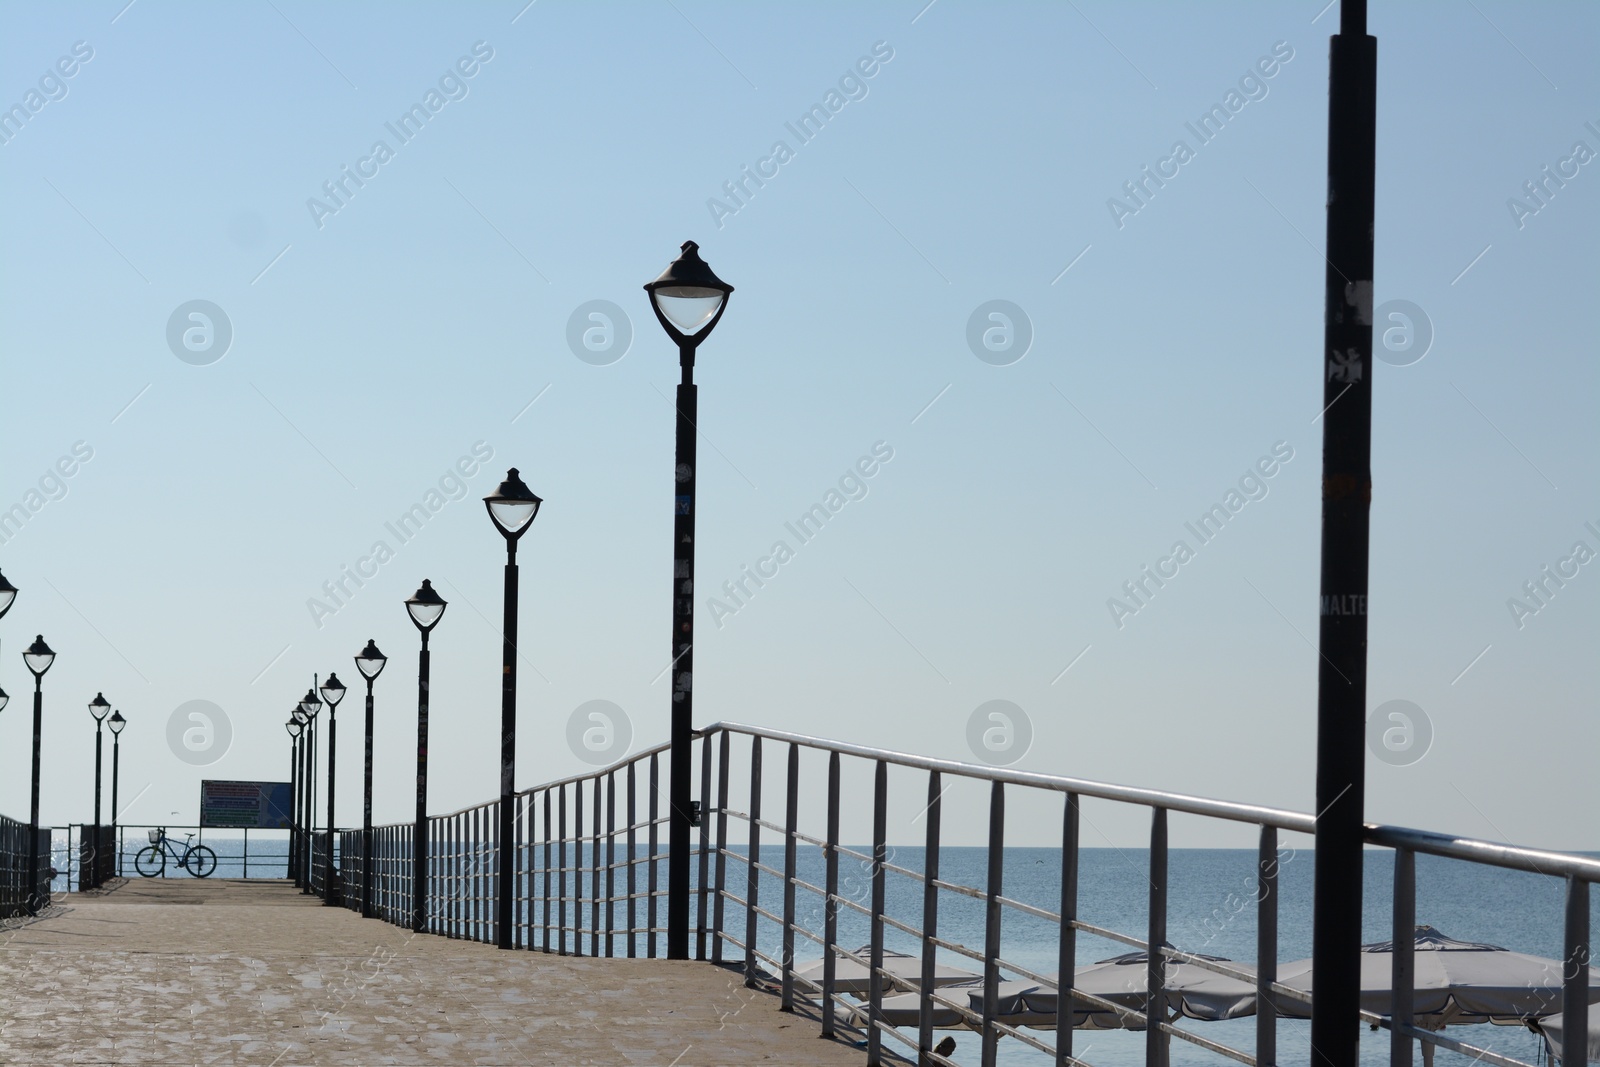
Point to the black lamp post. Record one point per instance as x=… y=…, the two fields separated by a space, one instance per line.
x=310 y=704
x=425 y=607
x=38 y=657
x=117 y=723
x=302 y=795
x=332 y=692
x=8 y=593
x=512 y=507
x=294 y=727
x=99 y=707
x=370 y=663
x=1346 y=367
x=688 y=300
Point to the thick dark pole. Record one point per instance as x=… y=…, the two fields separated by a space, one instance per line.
x=98 y=863
x=294 y=800
x=1346 y=502
x=308 y=776
x=327 y=859
x=366 y=818
x=679 y=787
x=300 y=824
x=506 y=855
x=116 y=753
x=33 y=818
x=419 y=831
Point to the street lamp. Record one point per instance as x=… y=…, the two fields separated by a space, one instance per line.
x=332 y=692
x=117 y=724
x=310 y=704
x=688 y=300
x=294 y=727
x=8 y=593
x=99 y=707
x=425 y=607
x=302 y=796
x=38 y=656
x=512 y=507
x=370 y=663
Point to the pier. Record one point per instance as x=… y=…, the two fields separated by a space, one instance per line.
x=165 y=971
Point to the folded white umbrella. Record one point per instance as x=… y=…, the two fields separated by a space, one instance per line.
x=851 y=977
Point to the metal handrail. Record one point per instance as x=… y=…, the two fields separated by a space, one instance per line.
x=587 y=857
x=1154 y=798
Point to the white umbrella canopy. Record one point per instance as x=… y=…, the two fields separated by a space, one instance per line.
x=1192 y=991
x=905 y=1009
x=1551 y=1030
x=1455 y=982
x=851 y=977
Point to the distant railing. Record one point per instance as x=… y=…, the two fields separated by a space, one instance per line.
x=572 y=886
x=16 y=887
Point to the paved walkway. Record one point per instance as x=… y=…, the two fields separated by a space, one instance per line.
x=235 y=972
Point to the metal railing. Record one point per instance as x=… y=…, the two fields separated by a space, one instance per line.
x=582 y=883
x=590 y=870
x=17 y=888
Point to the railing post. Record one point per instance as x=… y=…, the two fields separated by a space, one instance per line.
x=1067 y=947
x=930 y=912
x=1266 y=947
x=830 y=909
x=633 y=914
x=1575 y=976
x=611 y=862
x=561 y=880
x=705 y=847
x=790 y=822
x=522 y=928
x=1402 y=985
x=991 y=925
x=545 y=880
x=651 y=872
x=577 y=868
x=720 y=896
x=1156 y=1039
x=752 y=885
x=595 y=862
x=880 y=856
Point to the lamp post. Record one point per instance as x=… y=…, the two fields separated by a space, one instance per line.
x=117 y=723
x=294 y=727
x=688 y=300
x=425 y=607
x=99 y=708
x=512 y=507
x=8 y=593
x=370 y=663
x=302 y=797
x=38 y=656
x=1346 y=367
x=310 y=704
x=332 y=692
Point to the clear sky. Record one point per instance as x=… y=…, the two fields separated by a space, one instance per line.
x=972 y=152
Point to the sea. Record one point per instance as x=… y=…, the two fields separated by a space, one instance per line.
x=1211 y=909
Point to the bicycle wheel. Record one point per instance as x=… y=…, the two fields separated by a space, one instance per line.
x=150 y=861
x=201 y=861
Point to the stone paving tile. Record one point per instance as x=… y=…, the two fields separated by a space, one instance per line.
x=219 y=972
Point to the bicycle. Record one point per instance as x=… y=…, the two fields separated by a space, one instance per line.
x=151 y=861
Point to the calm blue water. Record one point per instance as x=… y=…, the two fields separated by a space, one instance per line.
x=1211 y=909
